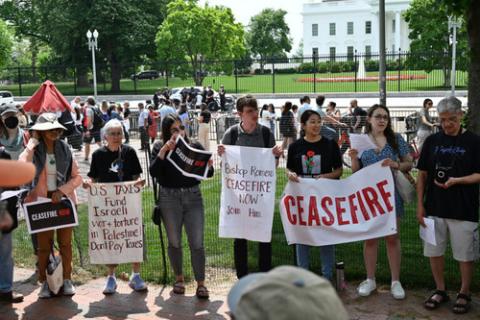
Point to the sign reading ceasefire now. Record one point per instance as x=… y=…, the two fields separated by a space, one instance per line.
x=322 y=212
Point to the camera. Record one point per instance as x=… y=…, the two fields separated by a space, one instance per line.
x=442 y=174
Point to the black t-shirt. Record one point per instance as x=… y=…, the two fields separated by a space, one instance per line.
x=126 y=113
x=114 y=166
x=357 y=111
x=310 y=159
x=206 y=116
x=458 y=156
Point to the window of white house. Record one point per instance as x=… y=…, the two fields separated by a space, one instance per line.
x=332 y=29
x=350 y=53
x=368 y=52
x=350 y=27
x=368 y=27
x=314 y=30
x=333 y=53
x=315 y=52
x=393 y=26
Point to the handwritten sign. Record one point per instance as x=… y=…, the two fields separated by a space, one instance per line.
x=189 y=161
x=43 y=215
x=248 y=193
x=115 y=229
x=322 y=212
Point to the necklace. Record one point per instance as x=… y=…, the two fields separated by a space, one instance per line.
x=51 y=159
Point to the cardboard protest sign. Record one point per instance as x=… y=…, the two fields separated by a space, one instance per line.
x=248 y=193
x=189 y=161
x=323 y=212
x=115 y=230
x=43 y=215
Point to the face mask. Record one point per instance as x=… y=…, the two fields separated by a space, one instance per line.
x=11 y=122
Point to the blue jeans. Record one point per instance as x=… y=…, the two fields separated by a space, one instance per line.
x=327 y=258
x=6 y=263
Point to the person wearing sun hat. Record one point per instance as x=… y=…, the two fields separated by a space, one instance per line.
x=56 y=176
x=285 y=293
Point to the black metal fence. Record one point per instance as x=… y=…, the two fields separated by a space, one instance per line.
x=355 y=72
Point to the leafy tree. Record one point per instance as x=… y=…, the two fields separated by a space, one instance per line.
x=430 y=46
x=5 y=44
x=126 y=30
x=268 y=35
x=192 y=35
x=470 y=11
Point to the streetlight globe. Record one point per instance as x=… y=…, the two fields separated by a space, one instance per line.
x=95 y=33
x=89 y=34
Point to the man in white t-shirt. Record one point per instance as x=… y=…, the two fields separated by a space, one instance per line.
x=142 y=125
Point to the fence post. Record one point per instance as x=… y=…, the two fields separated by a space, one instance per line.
x=399 y=66
x=134 y=79
x=314 y=73
x=19 y=81
x=235 y=68
x=273 y=76
x=75 y=80
x=355 y=69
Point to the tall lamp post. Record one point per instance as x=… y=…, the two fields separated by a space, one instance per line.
x=453 y=24
x=92 y=46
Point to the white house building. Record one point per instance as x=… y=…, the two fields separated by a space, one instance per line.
x=339 y=27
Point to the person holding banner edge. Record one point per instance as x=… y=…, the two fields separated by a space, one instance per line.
x=56 y=176
x=116 y=162
x=250 y=133
x=181 y=203
x=314 y=156
x=394 y=151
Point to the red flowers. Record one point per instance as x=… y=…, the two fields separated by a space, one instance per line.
x=310 y=153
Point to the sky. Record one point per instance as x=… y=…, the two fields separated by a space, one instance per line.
x=245 y=9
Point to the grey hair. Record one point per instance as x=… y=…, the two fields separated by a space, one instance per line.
x=111 y=124
x=449 y=104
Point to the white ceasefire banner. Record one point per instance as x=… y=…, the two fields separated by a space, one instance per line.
x=115 y=230
x=248 y=193
x=323 y=212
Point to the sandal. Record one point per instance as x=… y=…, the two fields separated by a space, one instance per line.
x=202 y=292
x=432 y=304
x=461 y=308
x=179 y=287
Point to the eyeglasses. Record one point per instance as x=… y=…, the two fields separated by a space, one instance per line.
x=381 y=117
x=177 y=129
x=115 y=133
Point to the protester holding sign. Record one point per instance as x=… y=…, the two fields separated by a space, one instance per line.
x=56 y=177
x=249 y=133
x=393 y=150
x=181 y=203
x=447 y=189
x=314 y=156
x=116 y=162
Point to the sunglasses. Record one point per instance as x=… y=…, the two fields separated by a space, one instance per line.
x=115 y=133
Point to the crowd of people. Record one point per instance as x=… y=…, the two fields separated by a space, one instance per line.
x=447 y=184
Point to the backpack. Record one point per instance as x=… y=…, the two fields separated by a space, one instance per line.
x=149 y=120
x=286 y=123
x=265 y=135
x=98 y=121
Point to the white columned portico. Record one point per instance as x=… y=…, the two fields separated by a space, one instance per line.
x=397 y=30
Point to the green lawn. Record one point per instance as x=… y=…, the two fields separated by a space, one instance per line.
x=415 y=268
x=280 y=83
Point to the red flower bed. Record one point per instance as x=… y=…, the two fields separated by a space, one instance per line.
x=367 y=79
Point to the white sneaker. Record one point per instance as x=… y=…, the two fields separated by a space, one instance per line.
x=45 y=291
x=366 y=287
x=68 y=288
x=397 y=290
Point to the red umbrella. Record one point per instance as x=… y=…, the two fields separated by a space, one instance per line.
x=47 y=99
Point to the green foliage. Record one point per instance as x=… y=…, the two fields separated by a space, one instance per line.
x=195 y=34
x=269 y=34
x=5 y=44
x=428 y=23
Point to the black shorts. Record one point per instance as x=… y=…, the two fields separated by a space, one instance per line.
x=94 y=135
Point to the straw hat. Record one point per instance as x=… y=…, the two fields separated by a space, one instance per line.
x=47 y=121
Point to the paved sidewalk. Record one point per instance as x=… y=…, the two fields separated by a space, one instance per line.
x=160 y=303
